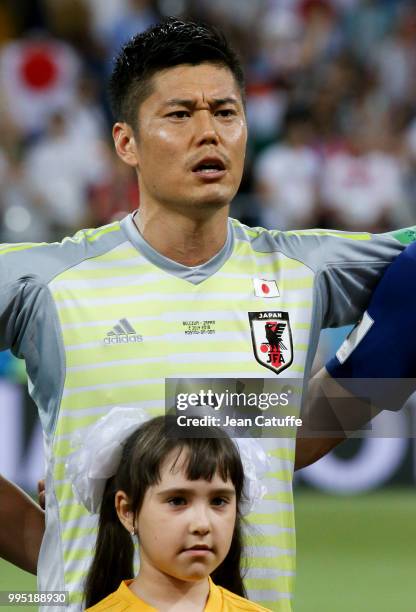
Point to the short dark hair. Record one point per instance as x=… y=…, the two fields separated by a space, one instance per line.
x=168 y=44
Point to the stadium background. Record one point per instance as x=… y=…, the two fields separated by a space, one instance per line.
x=332 y=113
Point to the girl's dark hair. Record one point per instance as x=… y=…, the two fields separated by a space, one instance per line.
x=142 y=457
x=165 y=45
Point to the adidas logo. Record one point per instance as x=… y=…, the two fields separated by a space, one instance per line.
x=122 y=333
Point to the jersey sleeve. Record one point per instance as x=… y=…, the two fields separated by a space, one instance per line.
x=25 y=301
x=347 y=267
x=20 y=297
x=11 y=300
x=29 y=325
x=347 y=278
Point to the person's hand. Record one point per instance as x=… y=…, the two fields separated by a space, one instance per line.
x=41 y=493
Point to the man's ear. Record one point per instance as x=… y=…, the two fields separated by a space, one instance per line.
x=124 y=511
x=125 y=143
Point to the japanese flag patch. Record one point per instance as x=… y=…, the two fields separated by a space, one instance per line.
x=265 y=288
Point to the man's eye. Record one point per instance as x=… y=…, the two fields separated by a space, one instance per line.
x=226 y=112
x=177 y=501
x=183 y=114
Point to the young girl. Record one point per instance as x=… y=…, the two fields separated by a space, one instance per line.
x=182 y=499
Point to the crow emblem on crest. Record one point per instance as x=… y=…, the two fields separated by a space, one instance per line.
x=274 y=333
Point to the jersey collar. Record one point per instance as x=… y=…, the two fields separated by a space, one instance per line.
x=194 y=274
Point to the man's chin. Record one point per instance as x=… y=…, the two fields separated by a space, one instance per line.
x=198 y=203
x=200 y=207
x=212 y=200
x=213 y=204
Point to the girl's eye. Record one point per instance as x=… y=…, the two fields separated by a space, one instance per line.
x=220 y=501
x=177 y=501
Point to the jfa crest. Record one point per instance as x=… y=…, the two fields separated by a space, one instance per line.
x=272 y=339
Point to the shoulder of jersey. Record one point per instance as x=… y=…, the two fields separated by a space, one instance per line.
x=46 y=260
x=253 y=233
x=83 y=237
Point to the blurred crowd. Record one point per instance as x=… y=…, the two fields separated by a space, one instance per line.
x=331 y=106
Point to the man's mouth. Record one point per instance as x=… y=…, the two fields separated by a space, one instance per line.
x=209 y=166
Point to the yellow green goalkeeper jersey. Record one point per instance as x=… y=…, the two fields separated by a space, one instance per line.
x=102 y=320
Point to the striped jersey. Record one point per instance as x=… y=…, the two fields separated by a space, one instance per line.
x=102 y=319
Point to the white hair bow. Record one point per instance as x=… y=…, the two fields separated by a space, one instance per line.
x=98 y=453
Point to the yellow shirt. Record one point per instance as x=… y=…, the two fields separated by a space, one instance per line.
x=219 y=600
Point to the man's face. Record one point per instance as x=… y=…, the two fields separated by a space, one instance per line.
x=191 y=139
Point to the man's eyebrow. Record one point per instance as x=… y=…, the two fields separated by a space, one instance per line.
x=222 y=101
x=185 y=491
x=188 y=103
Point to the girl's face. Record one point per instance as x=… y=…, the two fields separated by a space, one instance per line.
x=185 y=527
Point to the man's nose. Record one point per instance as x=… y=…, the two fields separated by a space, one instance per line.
x=206 y=130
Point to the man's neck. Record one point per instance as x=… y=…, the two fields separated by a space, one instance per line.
x=188 y=241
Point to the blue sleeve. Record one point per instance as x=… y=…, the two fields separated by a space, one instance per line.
x=385 y=346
